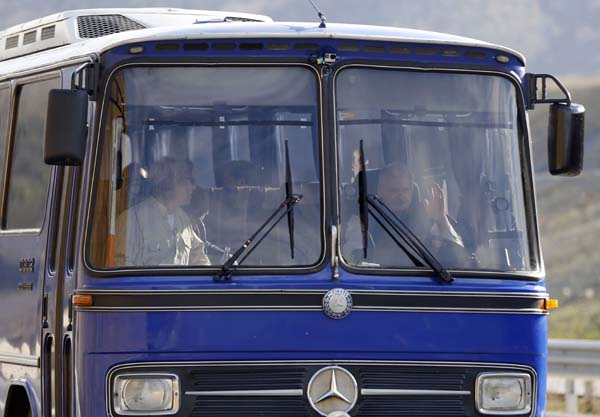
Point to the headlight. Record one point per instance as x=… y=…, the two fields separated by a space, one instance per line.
x=503 y=393
x=146 y=394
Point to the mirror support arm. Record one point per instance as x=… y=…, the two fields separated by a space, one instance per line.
x=540 y=96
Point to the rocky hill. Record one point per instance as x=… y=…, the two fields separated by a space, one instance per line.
x=569 y=215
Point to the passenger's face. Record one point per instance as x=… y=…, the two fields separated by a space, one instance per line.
x=183 y=191
x=396 y=191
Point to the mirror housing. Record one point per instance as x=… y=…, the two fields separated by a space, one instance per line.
x=66 y=127
x=565 y=139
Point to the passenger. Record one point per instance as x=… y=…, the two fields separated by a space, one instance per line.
x=239 y=174
x=428 y=219
x=157 y=231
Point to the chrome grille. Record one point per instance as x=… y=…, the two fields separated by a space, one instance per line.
x=389 y=378
x=268 y=377
x=430 y=406
x=393 y=389
x=250 y=407
x=102 y=25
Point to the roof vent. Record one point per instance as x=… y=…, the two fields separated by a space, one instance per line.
x=12 y=42
x=29 y=37
x=48 y=32
x=102 y=25
x=240 y=19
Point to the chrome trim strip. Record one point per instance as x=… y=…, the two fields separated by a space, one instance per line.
x=249 y=393
x=296 y=309
x=18 y=359
x=372 y=391
x=323 y=362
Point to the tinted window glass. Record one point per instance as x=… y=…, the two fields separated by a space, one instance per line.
x=4 y=120
x=442 y=157
x=192 y=163
x=28 y=180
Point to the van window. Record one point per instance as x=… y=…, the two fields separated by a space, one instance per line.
x=28 y=174
x=4 y=120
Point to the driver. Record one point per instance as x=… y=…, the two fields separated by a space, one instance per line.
x=157 y=230
x=427 y=218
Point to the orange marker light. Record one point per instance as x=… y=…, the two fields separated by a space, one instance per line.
x=550 y=304
x=82 y=300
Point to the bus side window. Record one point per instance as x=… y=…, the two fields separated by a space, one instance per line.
x=28 y=175
x=4 y=120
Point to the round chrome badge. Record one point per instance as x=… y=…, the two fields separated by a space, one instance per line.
x=332 y=391
x=337 y=303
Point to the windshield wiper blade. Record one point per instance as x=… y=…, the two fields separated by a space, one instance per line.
x=282 y=210
x=363 y=205
x=289 y=192
x=411 y=241
x=408 y=236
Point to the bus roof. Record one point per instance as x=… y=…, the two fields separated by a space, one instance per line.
x=232 y=29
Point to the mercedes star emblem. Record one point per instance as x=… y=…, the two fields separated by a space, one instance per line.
x=337 y=303
x=332 y=391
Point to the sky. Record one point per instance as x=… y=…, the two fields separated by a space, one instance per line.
x=556 y=36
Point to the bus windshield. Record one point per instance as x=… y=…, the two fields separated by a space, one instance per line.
x=192 y=160
x=442 y=156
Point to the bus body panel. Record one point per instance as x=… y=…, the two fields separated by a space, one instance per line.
x=182 y=333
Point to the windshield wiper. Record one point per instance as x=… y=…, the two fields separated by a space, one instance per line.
x=408 y=236
x=282 y=210
x=289 y=192
x=369 y=203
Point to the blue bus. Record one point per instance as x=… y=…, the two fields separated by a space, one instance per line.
x=215 y=214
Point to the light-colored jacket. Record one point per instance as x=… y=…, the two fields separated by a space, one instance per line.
x=148 y=235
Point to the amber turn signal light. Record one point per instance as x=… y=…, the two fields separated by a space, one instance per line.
x=82 y=300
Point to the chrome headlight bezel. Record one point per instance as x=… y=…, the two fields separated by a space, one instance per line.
x=120 y=382
x=527 y=393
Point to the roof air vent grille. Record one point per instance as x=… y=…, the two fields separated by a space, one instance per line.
x=102 y=25
x=240 y=19
x=12 y=42
x=48 y=32
x=29 y=37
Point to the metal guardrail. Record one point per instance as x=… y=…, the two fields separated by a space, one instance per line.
x=574 y=358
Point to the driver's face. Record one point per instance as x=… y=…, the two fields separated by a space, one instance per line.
x=396 y=191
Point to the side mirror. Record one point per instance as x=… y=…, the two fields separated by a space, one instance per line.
x=565 y=139
x=66 y=127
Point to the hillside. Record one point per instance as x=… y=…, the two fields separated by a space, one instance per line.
x=569 y=215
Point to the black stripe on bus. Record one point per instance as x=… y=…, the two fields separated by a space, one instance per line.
x=284 y=300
